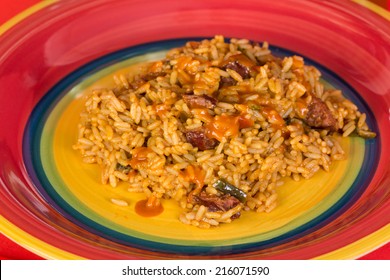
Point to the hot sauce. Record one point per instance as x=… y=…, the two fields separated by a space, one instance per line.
x=245 y=121
x=194 y=174
x=223 y=126
x=273 y=117
x=140 y=157
x=301 y=108
x=149 y=207
x=161 y=110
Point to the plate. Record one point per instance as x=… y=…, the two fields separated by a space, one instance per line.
x=53 y=205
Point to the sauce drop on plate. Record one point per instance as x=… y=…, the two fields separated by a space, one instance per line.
x=145 y=209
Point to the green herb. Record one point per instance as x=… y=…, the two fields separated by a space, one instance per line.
x=228 y=188
x=254 y=107
x=125 y=169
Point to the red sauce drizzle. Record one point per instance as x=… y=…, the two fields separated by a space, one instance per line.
x=223 y=126
x=140 y=157
x=194 y=174
x=301 y=108
x=245 y=121
x=273 y=117
x=161 y=110
x=146 y=208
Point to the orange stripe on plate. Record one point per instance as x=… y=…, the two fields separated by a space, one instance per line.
x=361 y=247
x=374 y=7
x=19 y=17
x=33 y=244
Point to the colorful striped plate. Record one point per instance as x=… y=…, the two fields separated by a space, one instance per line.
x=54 y=205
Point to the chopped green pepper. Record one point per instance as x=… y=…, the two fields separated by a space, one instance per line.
x=254 y=106
x=125 y=169
x=228 y=188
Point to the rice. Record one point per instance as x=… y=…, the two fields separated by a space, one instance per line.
x=216 y=126
x=119 y=202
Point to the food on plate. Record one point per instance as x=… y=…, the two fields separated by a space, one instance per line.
x=215 y=126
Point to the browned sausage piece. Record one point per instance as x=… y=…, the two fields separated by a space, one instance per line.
x=319 y=115
x=198 y=138
x=152 y=75
x=239 y=63
x=217 y=203
x=227 y=82
x=200 y=101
